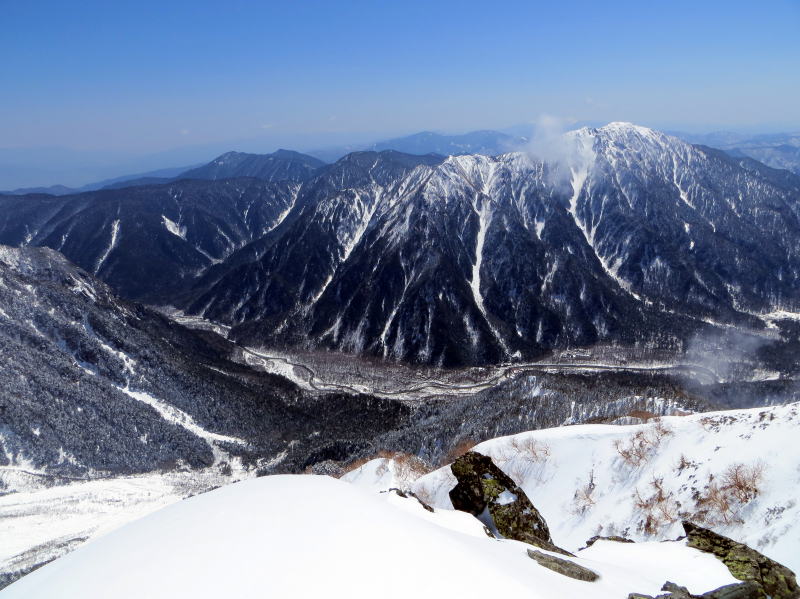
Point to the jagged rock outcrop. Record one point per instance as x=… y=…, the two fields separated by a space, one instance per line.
x=773 y=579
x=742 y=590
x=494 y=498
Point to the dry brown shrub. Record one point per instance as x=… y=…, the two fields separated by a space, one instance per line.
x=530 y=449
x=738 y=486
x=410 y=467
x=583 y=499
x=683 y=463
x=642 y=444
x=743 y=481
x=661 y=430
x=355 y=465
x=407 y=466
x=636 y=449
x=715 y=505
x=658 y=509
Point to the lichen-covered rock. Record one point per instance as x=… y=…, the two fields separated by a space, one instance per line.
x=773 y=579
x=488 y=493
x=741 y=590
x=563 y=566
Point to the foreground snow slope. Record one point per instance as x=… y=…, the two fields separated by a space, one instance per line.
x=582 y=484
x=39 y=525
x=308 y=536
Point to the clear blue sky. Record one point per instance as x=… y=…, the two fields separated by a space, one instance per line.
x=147 y=76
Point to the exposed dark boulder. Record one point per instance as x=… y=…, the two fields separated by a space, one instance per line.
x=773 y=579
x=489 y=494
x=614 y=538
x=741 y=590
x=563 y=566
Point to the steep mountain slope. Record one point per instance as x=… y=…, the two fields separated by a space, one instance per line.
x=290 y=267
x=283 y=165
x=92 y=386
x=149 y=242
x=624 y=235
x=726 y=470
x=778 y=150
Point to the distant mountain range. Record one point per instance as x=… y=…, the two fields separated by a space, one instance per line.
x=781 y=150
x=778 y=150
x=158 y=176
x=628 y=237
x=485 y=142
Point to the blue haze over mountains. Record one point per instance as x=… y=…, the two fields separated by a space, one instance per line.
x=778 y=150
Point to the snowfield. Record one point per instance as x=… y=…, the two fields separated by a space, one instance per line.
x=309 y=536
x=38 y=524
x=639 y=481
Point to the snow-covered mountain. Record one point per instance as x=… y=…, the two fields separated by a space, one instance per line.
x=615 y=235
x=624 y=235
x=149 y=242
x=309 y=536
x=93 y=386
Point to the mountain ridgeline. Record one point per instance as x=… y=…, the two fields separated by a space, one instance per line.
x=93 y=386
x=621 y=235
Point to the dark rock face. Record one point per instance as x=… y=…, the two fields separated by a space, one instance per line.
x=744 y=590
x=488 y=493
x=773 y=579
x=563 y=566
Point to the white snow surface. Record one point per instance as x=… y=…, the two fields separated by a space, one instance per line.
x=557 y=468
x=39 y=524
x=310 y=536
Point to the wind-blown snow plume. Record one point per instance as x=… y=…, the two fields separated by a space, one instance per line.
x=565 y=151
